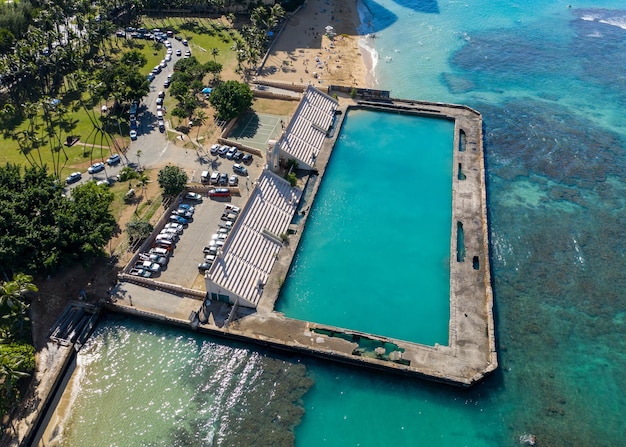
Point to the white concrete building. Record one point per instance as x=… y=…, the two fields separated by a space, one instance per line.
x=307 y=130
x=239 y=274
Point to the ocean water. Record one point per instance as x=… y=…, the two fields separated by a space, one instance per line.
x=379 y=232
x=550 y=82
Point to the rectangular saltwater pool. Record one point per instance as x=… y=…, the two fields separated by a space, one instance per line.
x=375 y=253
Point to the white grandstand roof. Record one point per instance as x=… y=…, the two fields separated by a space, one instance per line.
x=250 y=250
x=307 y=129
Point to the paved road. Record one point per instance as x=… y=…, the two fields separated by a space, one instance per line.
x=152 y=149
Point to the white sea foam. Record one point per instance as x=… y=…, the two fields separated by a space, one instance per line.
x=619 y=22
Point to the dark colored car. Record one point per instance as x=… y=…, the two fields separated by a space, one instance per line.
x=247 y=159
x=204 y=266
x=239 y=169
x=223 y=179
x=73 y=177
x=238 y=156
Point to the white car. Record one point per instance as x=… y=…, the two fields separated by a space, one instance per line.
x=150 y=266
x=96 y=167
x=174 y=226
x=133 y=135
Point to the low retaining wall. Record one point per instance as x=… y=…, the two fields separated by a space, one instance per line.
x=272 y=95
x=154 y=284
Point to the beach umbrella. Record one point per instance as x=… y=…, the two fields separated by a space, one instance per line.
x=207 y=90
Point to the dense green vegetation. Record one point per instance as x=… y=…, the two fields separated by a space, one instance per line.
x=17 y=355
x=172 y=180
x=40 y=229
x=230 y=99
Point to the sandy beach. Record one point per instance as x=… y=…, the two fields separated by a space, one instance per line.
x=304 y=54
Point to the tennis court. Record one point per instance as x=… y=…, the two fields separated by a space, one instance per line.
x=256 y=129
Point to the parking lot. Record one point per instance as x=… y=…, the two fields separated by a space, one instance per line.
x=182 y=268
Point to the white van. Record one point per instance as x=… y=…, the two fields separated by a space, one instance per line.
x=204 y=177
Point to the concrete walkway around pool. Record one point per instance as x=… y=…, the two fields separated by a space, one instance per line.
x=471 y=352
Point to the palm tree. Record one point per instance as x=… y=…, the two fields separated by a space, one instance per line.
x=200 y=119
x=138 y=159
x=143 y=181
x=12 y=300
x=215 y=52
x=12 y=291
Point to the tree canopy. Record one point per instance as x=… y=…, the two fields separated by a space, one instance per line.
x=40 y=229
x=172 y=180
x=230 y=99
x=17 y=356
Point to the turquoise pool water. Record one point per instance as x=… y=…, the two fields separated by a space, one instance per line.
x=376 y=248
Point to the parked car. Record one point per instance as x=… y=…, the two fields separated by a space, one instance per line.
x=240 y=169
x=179 y=53
x=210 y=250
x=96 y=167
x=231 y=153
x=176 y=226
x=172 y=231
x=214 y=149
x=165 y=237
x=222 y=230
x=193 y=196
x=166 y=83
x=153 y=257
x=223 y=179
x=222 y=151
x=140 y=272
x=232 y=208
x=159 y=101
x=210 y=259
x=188 y=207
x=73 y=177
x=168 y=245
x=178 y=219
x=183 y=213
x=247 y=159
x=161 y=124
x=161 y=94
x=229 y=217
x=188 y=53
x=114 y=159
x=227 y=225
x=151 y=77
x=215 y=178
x=219 y=192
x=148 y=265
x=185 y=42
x=133 y=135
x=204 y=266
x=160 y=251
x=104 y=182
x=233 y=180
x=238 y=156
